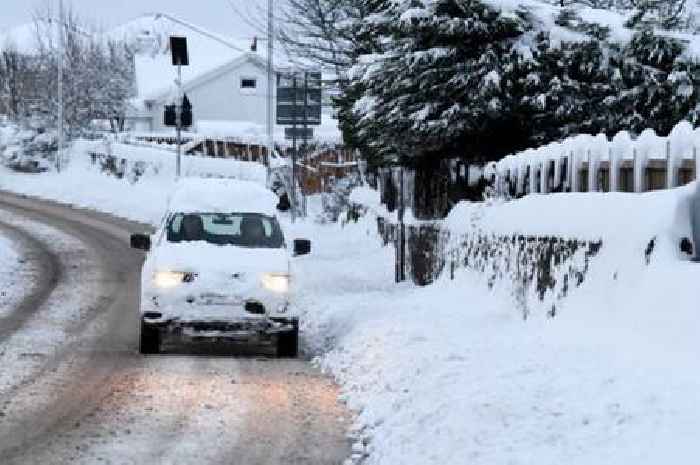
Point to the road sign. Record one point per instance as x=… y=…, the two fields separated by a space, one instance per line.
x=299 y=133
x=178 y=50
x=170 y=114
x=299 y=98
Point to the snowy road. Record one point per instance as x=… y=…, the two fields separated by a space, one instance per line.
x=74 y=390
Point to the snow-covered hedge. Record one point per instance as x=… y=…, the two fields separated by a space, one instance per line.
x=133 y=162
x=542 y=247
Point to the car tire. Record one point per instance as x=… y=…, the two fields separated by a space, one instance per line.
x=288 y=343
x=150 y=339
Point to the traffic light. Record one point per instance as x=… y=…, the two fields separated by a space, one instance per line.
x=170 y=115
x=178 y=50
x=186 y=117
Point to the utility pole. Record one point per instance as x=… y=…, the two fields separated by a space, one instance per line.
x=270 y=81
x=294 y=148
x=61 y=53
x=305 y=149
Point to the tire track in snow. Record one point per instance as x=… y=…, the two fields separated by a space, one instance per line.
x=44 y=272
x=92 y=399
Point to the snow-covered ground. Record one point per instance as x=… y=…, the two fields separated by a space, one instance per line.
x=451 y=374
x=83 y=184
x=53 y=322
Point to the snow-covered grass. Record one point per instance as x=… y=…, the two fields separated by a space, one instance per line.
x=85 y=185
x=452 y=374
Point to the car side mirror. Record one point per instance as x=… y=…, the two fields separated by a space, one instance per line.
x=141 y=242
x=302 y=247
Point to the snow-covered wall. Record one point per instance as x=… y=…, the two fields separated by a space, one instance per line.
x=541 y=248
x=133 y=162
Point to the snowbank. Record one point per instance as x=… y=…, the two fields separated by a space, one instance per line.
x=621 y=220
x=452 y=374
x=142 y=196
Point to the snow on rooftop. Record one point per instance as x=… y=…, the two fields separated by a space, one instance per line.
x=194 y=195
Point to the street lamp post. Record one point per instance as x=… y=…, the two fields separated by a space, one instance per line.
x=61 y=53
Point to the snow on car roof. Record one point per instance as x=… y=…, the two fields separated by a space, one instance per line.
x=202 y=195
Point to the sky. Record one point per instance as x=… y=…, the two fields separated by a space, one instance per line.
x=214 y=15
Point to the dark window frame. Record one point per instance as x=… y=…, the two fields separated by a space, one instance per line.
x=245 y=83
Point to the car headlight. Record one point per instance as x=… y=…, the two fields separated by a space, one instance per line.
x=168 y=279
x=276 y=282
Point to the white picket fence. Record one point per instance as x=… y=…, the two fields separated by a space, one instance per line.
x=597 y=164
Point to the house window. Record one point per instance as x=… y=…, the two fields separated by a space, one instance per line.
x=248 y=83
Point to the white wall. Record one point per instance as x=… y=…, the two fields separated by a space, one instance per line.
x=221 y=98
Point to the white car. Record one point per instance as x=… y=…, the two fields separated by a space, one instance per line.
x=218 y=267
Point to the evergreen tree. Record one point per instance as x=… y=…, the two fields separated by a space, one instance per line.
x=436 y=86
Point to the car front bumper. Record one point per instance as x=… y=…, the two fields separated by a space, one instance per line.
x=253 y=330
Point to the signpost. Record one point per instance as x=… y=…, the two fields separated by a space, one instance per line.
x=298 y=133
x=299 y=99
x=182 y=109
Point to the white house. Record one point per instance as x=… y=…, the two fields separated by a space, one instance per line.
x=225 y=81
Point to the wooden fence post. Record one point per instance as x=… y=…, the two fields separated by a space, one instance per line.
x=670 y=168
x=613 y=172
x=592 y=171
x=636 y=175
x=573 y=181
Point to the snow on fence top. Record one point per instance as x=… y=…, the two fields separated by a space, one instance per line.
x=588 y=163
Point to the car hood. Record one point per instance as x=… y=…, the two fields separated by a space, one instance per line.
x=203 y=257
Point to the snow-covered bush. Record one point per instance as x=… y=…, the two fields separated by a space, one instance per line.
x=28 y=150
x=336 y=200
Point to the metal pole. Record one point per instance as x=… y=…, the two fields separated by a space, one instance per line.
x=294 y=148
x=61 y=53
x=304 y=136
x=178 y=121
x=270 y=80
x=402 y=232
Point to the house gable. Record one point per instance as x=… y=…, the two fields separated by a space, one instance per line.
x=206 y=78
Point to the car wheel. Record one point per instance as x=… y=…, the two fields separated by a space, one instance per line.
x=288 y=343
x=150 y=339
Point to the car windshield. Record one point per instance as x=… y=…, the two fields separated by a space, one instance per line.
x=241 y=229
